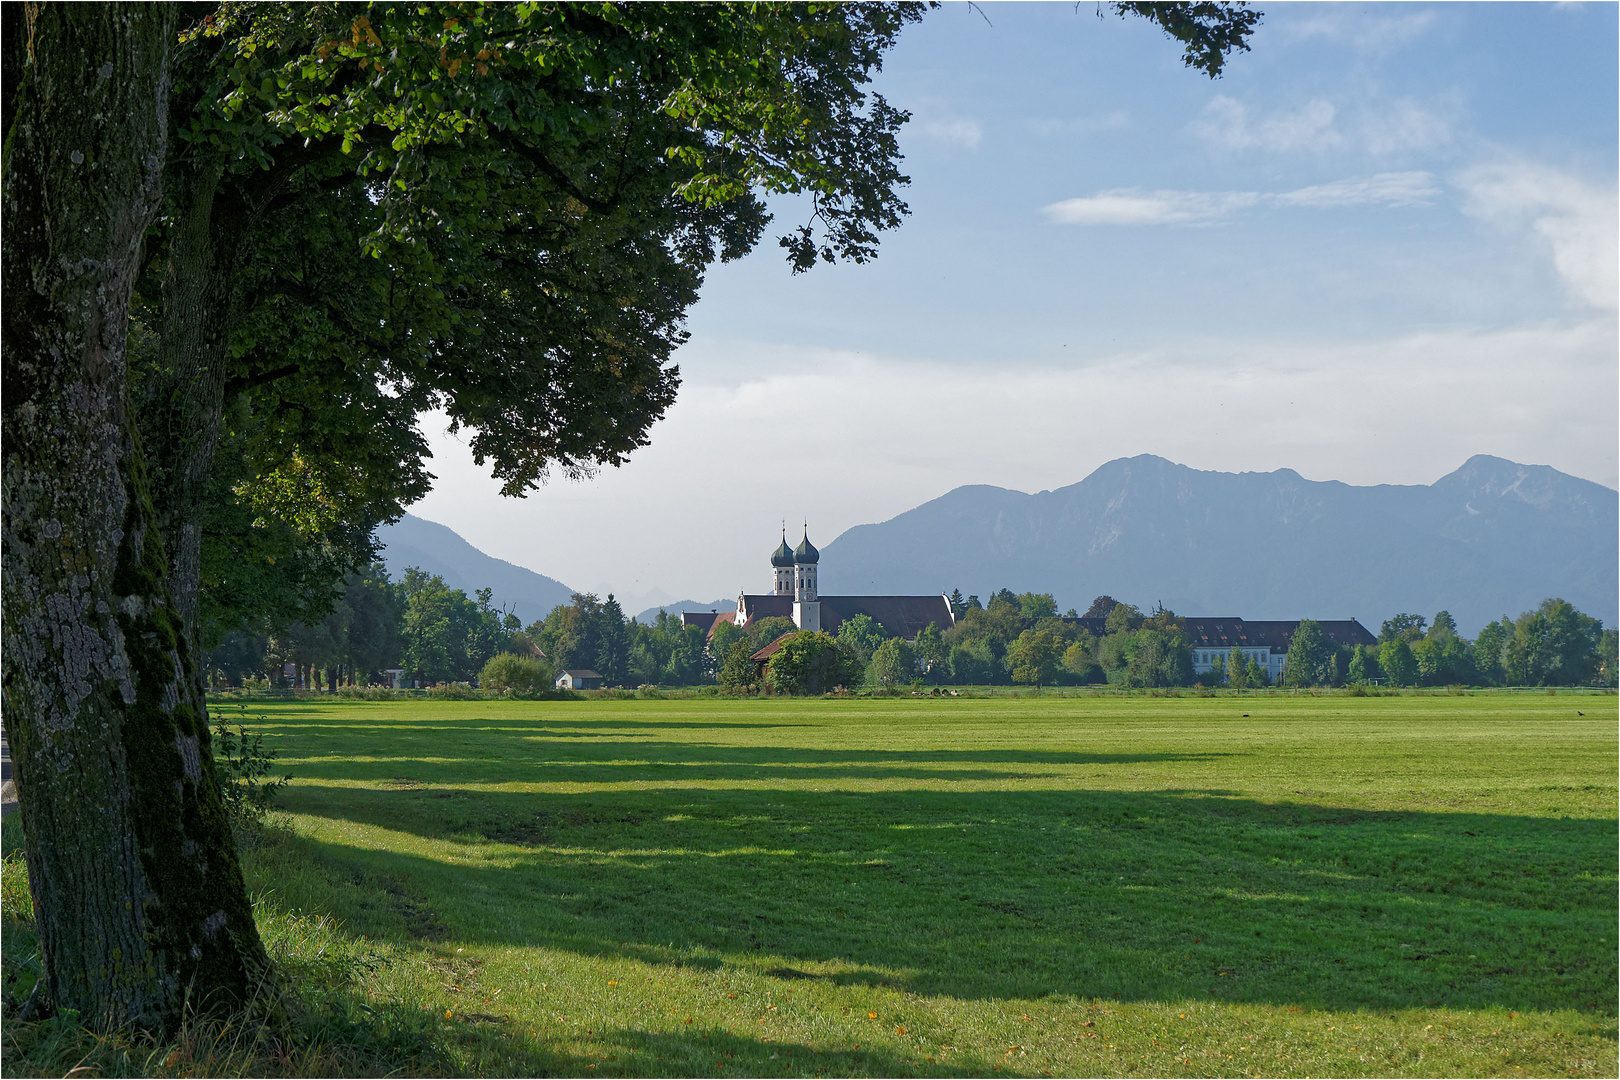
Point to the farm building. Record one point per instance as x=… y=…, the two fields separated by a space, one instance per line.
x=579 y=680
x=1265 y=641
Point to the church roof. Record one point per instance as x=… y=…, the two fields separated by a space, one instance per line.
x=783 y=555
x=900 y=616
x=806 y=552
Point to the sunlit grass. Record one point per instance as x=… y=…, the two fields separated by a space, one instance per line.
x=1122 y=886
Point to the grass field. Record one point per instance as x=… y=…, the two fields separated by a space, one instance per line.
x=1065 y=886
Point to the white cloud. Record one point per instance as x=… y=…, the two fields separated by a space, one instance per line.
x=957 y=132
x=1226 y=123
x=1133 y=206
x=1379 y=128
x=1575 y=219
x=1386 y=189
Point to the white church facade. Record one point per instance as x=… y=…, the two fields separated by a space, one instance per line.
x=795 y=595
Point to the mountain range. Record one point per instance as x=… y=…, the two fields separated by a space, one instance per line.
x=1492 y=538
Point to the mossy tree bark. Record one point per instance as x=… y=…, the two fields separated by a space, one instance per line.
x=139 y=899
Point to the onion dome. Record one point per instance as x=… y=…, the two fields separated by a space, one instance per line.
x=806 y=554
x=782 y=557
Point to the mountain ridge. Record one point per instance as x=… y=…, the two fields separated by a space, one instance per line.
x=439 y=549
x=1492 y=537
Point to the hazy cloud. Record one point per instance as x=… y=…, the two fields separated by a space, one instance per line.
x=957 y=132
x=1226 y=123
x=1576 y=220
x=1132 y=206
x=1361 y=28
x=1377 y=127
x=1049 y=126
x=1386 y=189
x=1402 y=126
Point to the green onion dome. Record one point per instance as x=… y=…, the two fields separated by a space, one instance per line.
x=806 y=554
x=783 y=555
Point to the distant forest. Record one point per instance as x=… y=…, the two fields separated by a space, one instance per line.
x=439 y=635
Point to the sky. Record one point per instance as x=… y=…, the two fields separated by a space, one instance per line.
x=1385 y=240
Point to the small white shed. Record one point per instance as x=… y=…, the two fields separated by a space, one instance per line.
x=579 y=680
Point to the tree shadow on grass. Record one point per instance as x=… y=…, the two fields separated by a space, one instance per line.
x=431 y=757
x=1008 y=894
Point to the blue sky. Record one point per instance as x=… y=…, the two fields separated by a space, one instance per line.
x=1384 y=241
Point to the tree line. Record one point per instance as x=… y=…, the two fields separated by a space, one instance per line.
x=436 y=634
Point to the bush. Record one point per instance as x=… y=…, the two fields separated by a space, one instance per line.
x=813 y=662
x=518 y=674
x=243 y=767
x=456 y=691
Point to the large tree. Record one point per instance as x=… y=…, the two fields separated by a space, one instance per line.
x=275 y=239
x=139 y=896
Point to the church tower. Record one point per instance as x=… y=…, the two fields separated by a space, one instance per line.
x=806 y=606
x=782 y=568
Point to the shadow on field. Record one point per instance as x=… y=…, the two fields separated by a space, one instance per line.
x=586 y=756
x=1159 y=896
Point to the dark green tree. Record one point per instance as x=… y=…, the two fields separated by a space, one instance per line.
x=1489 y=648
x=738 y=673
x=1395 y=660
x=933 y=656
x=1123 y=618
x=860 y=636
x=894 y=663
x=1036 y=657
x=376 y=624
x=1101 y=607
x=1035 y=606
x=1406 y=626
x=1310 y=659
x=1237 y=670
x=1554 y=645
x=1607 y=666
x=612 y=644
x=1363 y=667
x=974 y=664
x=813 y=663
x=719 y=644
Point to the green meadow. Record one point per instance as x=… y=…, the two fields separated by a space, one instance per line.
x=1258 y=885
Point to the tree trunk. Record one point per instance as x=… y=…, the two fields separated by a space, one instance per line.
x=181 y=417
x=139 y=899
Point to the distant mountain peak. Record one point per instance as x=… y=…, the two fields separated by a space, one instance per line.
x=439 y=549
x=1492 y=537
